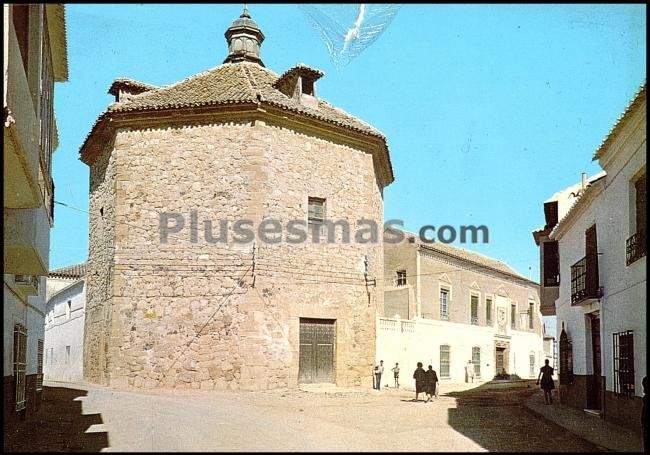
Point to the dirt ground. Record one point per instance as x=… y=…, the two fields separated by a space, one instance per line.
x=487 y=417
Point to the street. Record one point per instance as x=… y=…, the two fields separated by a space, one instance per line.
x=489 y=417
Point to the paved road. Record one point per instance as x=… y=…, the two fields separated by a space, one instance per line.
x=486 y=418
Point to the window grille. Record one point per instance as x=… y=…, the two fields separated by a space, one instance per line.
x=476 y=360
x=532 y=364
x=531 y=307
x=566 y=358
x=444 y=361
x=20 y=361
x=444 y=303
x=513 y=316
x=39 y=372
x=624 y=363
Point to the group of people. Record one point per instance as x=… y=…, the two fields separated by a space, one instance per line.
x=425 y=381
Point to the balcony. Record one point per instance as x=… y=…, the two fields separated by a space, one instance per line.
x=26 y=241
x=26 y=284
x=635 y=248
x=21 y=132
x=584 y=281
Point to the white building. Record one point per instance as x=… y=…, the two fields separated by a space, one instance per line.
x=64 y=324
x=445 y=306
x=601 y=303
x=34 y=58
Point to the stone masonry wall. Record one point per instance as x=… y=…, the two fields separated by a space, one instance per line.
x=99 y=291
x=200 y=315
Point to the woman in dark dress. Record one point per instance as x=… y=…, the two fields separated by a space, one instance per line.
x=547 y=384
x=420 y=380
x=431 y=379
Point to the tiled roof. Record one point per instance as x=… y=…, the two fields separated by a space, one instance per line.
x=468 y=256
x=131 y=84
x=594 y=183
x=232 y=83
x=70 y=271
x=638 y=98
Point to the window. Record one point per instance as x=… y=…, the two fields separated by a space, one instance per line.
x=474 y=309
x=444 y=303
x=444 y=361
x=532 y=364
x=551 y=263
x=624 y=364
x=635 y=246
x=476 y=360
x=316 y=210
x=640 y=201
x=20 y=361
x=488 y=311
x=67 y=355
x=401 y=278
x=39 y=371
x=68 y=309
x=531 y=309
x=513 y=316
x=51 y=356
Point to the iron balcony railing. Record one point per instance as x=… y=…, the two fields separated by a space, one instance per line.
x=584 y=280
x=635 y=247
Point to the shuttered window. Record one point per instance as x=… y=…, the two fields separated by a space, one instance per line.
x=316 y=210
x=488 y=311
x=474 y=309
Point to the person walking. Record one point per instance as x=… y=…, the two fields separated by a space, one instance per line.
x=431 y=383
x=379 y=369
x=420 y=380
x=396 y=375
x=547 y=384
x=470 y=371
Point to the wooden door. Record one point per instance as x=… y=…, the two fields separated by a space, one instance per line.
x=594 y=386
x=316 y=359
x=500 y=364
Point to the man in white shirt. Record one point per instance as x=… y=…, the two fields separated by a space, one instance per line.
x=379 y=369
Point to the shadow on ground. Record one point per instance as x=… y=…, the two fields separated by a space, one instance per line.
x=58 y=426
x=494 y=416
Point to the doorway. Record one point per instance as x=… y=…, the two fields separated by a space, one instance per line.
x=594 y=383
x=316 y=359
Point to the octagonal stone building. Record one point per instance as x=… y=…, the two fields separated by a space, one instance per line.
x=183 y=287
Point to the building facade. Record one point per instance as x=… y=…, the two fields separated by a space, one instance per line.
x=35 y=57
x=175 y=296
x=601 y=304
x=446 y=306
x=64 y=324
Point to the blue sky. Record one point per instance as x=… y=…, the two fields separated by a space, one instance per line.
x=488 y=109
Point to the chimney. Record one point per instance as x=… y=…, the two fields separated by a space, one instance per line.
x=584 y=181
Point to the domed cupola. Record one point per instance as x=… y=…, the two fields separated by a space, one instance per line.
x=244 y=40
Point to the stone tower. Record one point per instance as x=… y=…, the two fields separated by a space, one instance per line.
x=177 y=296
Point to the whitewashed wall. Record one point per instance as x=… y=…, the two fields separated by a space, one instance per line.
x=62 y=330
x=409 y=342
